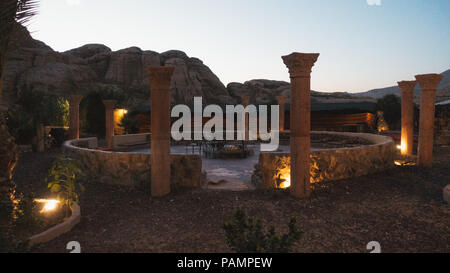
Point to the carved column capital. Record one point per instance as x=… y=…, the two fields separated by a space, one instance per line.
x=300 y=64
x=75 y=99
x=281 y=100
x=407 y=86
x=109 y=104
x=429 y=81
x=160 y=76
x=245 y=100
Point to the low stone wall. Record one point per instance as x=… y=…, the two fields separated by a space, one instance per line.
x=131 y=169
x=59 y=229
x=330 y=164
x=120 y=142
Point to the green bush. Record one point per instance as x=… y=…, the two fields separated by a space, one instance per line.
x=27 y=213
x=63 y=179
x=247 y=235
x=130 y=123
x=17 y=220
x=34 y=108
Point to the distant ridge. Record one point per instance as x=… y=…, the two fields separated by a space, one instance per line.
x=443 y=90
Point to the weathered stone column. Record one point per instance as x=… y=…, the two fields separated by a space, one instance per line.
x=245 y=100
x=407 y=139
x=281 y=102
x=74 y=116
x=40 y=137
x=160 y=79
x=300 y=65
x=109 y=119
x=428 y=84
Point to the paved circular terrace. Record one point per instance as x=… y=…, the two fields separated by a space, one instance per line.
x=334 y=156
x=226 y=174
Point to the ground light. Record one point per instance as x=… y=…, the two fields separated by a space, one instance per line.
x=49 y=204
x=284 y=178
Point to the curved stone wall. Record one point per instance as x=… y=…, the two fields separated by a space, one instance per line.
x=330 y=164
x=131 y=169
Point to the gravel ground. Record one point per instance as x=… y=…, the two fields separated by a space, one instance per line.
x=402 y=209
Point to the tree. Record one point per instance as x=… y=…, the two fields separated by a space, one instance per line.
x=12 y=12
x=391 y=107
x=32 y=111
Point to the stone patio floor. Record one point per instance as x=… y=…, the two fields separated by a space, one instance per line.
x=226 y=174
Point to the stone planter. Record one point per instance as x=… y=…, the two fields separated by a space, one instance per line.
x=59 y=229
x=131 y=169
x=330 y=164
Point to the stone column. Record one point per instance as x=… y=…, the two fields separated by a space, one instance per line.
x=281 y=102
x=245 y=100
x=407 y=139
x=40 y=137
x=428 y=84
x=300 y=65
x=109 y=119
x=160 y=79
x=74 y=116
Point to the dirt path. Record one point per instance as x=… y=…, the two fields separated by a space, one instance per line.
x=402 y=209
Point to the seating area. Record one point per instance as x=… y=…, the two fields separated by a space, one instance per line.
x=219 y=149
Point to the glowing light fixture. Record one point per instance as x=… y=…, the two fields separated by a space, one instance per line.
x=118 y=116
x=284 y=178
x=49 y=204
x=404 y=163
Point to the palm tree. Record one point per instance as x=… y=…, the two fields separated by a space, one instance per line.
x=12 y=13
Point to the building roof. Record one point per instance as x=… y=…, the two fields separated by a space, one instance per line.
x=347 y=106
x=446 y=102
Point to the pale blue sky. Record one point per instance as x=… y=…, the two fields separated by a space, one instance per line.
x=362 y=46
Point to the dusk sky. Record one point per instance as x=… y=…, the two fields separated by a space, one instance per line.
x=362 y=46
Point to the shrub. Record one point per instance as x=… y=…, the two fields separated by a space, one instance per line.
x=247 y=235
x=27 y=213
x=63 y=179
x=19 y=219
x=130 y=123
x=34 y=108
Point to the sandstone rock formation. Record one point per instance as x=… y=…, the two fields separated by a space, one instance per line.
x=34 y=66
x=266 y=91
x=260 y=91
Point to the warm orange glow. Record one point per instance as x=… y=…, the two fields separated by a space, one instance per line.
x=404 y=146
x=49 y=204
x=404 y=163
x=118 y=115
x=285 y=177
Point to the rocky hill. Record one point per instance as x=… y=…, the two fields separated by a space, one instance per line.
x=442 y=94
x=34 y=66
x=265 y=92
